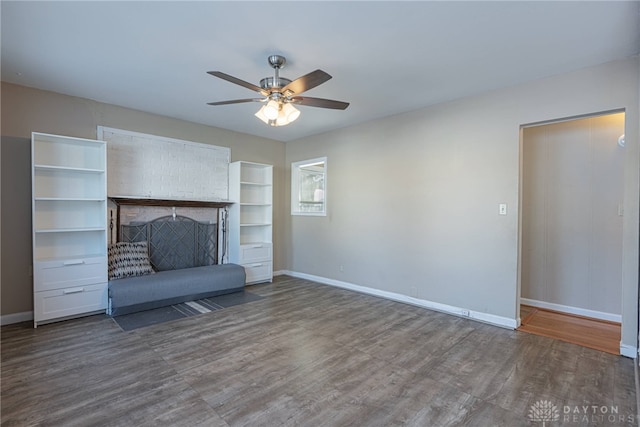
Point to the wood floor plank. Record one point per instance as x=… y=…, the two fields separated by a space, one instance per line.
x=593 y=333
x=305 y=355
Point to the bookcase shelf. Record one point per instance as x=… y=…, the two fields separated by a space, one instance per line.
x=250 y=219
x=69 y=211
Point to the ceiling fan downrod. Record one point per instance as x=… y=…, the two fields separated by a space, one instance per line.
x=276 y=62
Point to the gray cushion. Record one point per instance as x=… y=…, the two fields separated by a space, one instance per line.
x=173 y=286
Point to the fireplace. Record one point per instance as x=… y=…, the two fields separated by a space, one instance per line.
x=179 y=233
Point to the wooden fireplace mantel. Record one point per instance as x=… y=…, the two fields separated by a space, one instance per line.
x=129 y=201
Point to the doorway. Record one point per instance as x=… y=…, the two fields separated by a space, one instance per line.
x=571 y=220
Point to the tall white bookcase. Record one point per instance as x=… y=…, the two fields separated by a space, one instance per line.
x=250 y=219
x=69 y=208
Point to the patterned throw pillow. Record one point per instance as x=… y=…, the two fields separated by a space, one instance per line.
x=128 y=259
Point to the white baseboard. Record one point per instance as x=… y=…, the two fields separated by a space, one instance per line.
x=8 y=319
x=444 y=308
x=628 y=351
x=573 y=310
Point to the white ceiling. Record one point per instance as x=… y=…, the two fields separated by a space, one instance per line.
x=385 y=57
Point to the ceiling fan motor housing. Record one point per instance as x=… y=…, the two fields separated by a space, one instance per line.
x=274 y=82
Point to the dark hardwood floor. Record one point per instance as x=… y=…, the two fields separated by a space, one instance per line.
x=306 y=355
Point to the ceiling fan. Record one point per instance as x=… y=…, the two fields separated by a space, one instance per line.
x=280 y=93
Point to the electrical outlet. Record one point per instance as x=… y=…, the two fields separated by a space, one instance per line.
x=342 y=268
x=465 y=313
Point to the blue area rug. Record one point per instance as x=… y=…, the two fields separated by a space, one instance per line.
x=129 y=322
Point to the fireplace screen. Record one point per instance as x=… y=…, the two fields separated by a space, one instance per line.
x=175 y=242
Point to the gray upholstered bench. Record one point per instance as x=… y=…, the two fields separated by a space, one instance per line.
x=138 y=293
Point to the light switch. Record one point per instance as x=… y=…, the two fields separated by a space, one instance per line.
x=503 y=208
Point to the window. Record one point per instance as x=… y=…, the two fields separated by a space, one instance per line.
x=309 y=187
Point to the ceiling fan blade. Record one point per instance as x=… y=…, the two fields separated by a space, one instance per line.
x=306 y=82
x=319 y=102
x=238 y=81
x=236 y=101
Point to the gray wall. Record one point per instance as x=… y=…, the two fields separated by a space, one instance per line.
x=25 y=110
x=15 y=208
x=413 y=199
x=572 y=187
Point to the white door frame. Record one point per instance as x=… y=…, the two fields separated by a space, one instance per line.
x=631 y=238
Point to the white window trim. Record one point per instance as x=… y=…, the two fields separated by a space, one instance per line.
x=295 y=167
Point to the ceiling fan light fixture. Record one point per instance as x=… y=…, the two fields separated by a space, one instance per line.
x=285 y=113
x=291 y=112
x=281 y=121
x=260 y=114
x=271 y=110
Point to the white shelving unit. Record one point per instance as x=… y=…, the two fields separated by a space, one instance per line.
x=250 y=219
x=69 y=208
